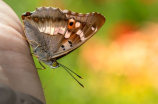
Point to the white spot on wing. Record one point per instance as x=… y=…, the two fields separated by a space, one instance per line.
x=96 y=29
x=47 y=30
x=62 y=30
x=67 y=35
x=93 y=28
x=42 y=29
x=56 y=30
x=78 y=24
x=52 y=31
x=83 y=38
x=81 y=35
x=78 y=32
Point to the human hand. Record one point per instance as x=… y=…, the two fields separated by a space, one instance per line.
x=17 y=68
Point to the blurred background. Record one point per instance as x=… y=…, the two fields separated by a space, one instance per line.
x=119 y=63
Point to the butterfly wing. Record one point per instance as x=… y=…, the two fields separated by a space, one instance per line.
x=80 y=28
x=45 y=27
x=59 y=32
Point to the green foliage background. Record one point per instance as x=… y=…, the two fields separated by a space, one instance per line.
x=63 y=89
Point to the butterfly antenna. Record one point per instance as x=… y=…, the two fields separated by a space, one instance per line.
x=66 y=68
x=71 y=70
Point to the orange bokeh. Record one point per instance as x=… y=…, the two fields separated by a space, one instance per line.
x=134 y=55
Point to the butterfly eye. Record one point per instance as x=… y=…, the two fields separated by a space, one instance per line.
x=55 y=64
x=71 y=23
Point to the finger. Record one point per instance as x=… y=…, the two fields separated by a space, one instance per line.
x=17 y=68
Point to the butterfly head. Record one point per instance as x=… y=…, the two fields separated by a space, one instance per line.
x=54 y=64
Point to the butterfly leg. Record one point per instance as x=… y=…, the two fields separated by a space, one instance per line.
x=42 y=66
x=38 y=61
x=36 y=48
x=32 y=54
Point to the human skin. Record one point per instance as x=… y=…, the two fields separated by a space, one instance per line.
x=17 y=68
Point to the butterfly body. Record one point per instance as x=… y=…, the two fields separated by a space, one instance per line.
x=54 y=33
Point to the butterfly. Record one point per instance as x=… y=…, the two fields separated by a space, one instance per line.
x=54 y=33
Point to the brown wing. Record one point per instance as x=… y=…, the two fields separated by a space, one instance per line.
x=80 y=28
x=60 y=32
x=45 y=27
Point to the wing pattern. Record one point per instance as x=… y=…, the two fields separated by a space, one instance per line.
x=59 y=32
